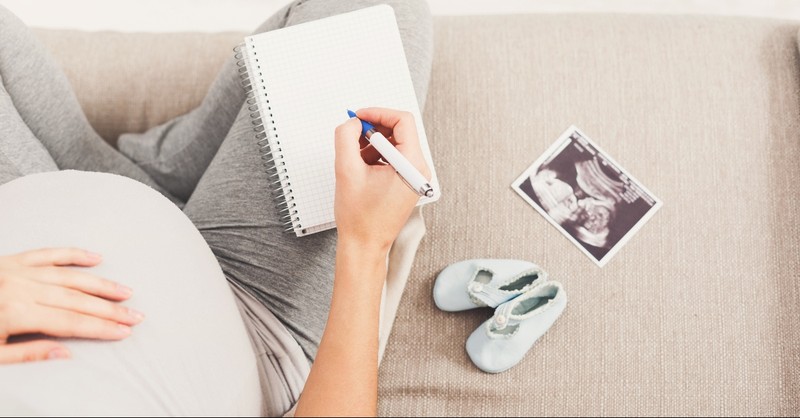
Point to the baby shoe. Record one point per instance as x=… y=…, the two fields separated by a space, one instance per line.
x=479 y=283
x=501 y=342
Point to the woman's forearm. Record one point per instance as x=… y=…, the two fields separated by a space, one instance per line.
x=371 y=206
x=344 y=377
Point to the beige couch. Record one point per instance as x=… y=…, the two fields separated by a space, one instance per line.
x=697 y=315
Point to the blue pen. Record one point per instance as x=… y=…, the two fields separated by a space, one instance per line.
x=410 y=175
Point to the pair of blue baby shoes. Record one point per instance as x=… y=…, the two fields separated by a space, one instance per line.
x=526 y=305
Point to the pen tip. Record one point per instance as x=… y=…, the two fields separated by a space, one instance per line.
x=351 y=113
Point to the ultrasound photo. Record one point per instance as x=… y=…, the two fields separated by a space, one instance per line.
x=586 y=195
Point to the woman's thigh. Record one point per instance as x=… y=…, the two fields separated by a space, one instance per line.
x=190 y=356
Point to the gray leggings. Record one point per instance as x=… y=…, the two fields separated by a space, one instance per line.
x=205 y=161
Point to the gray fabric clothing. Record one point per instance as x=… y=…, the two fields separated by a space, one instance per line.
x=207 y=158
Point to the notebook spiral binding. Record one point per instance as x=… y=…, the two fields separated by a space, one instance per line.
x=271 y=154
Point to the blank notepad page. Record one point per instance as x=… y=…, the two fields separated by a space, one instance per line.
x=305 y=78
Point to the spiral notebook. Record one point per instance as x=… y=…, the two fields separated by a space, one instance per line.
x=300 y=82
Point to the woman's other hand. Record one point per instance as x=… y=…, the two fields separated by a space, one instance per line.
x=38 y=294
x=372 y=202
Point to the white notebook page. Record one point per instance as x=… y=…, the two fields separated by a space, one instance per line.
x=306 y=78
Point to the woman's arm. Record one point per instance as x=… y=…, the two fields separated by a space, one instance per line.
x=39 y=295
x=372 y=204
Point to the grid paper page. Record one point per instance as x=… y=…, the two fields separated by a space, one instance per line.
x=306 y=77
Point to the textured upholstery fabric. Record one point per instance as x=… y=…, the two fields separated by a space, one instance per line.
x=697 y=314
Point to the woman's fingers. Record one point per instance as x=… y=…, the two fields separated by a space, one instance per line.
x=80 y=280
x=34 y=318
x=347 y=149
x=76 y=301
x=40 y=296
x=58 y=257
x=404 y=135
x=32 y=351
x=401 y=124
x=384 y=117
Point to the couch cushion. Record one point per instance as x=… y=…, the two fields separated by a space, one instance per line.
x=698 y=313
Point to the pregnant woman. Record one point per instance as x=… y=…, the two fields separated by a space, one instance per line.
x=310 y=306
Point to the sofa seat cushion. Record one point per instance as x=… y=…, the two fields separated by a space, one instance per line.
x=698 y=313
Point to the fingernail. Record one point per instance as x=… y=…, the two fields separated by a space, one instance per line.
x=124 y=290
x=94 y=256
x=58 y=353
x=136 y=315
x=124 y=330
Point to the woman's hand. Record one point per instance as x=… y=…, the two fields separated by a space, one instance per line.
x=372 y=202
x=39 y=295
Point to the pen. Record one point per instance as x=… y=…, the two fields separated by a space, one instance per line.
x=410 y=175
